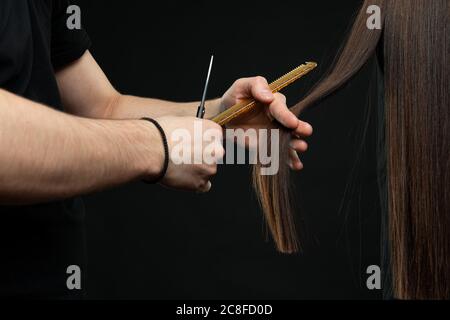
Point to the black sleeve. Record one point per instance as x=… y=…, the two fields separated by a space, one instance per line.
x=66 y=45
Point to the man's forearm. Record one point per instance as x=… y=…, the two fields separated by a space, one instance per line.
x=131 y=107
x=86 y=92
x=47 y=155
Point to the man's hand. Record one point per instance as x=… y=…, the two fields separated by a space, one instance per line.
x=273 y=106
x=86 y=92
x=191 y=176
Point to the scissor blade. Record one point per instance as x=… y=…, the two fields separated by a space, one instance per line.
x=205 y=90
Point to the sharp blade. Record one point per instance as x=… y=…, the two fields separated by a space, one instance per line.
x=205 y=91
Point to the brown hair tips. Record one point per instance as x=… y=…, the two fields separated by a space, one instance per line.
x=417 y=87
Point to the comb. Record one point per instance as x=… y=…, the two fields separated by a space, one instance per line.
x=247 y=105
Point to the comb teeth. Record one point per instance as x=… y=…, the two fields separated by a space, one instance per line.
x=247 y=105
x=304 y=66
x=292 y=76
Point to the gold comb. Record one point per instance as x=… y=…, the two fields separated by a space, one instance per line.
x=247 y=105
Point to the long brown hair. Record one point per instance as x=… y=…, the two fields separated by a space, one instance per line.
x=416 y=40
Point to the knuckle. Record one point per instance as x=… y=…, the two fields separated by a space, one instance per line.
x=240 y=82
x=260 y=79
x=217 y=127
x=213 y=128
x=220 y=151
x=280 y=97
x=213 y=170
x=237 y=82
x=212 y=125
x=201 y=184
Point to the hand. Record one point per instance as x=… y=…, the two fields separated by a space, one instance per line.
x=188 y=175
x=272 y=106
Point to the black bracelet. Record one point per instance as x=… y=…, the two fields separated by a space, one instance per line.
x=166 y=150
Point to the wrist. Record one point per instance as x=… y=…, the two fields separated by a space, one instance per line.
x=151 y=150
x=162 y=134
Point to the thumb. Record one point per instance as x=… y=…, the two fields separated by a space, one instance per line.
x=258 y=88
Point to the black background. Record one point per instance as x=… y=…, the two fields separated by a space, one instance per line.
x=148 y=242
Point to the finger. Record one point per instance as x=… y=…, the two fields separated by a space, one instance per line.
x=219 y=152
x=259 y=89
x=294 y=163
x=303 y=129
x=211 y=171
x=299 y=145
x=205 y=187
x=280 y=112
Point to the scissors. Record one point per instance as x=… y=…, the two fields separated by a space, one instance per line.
x=201 y=109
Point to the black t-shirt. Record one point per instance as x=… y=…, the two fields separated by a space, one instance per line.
x=38 y=243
